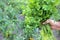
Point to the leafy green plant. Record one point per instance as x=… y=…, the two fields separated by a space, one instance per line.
x=36 y=12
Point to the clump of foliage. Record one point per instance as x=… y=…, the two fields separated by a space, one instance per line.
x=36 y=12
x=10 y=23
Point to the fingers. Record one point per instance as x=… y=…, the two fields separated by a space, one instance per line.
x=46 y=22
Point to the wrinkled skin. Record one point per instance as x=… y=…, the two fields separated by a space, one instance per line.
x=54 y=24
